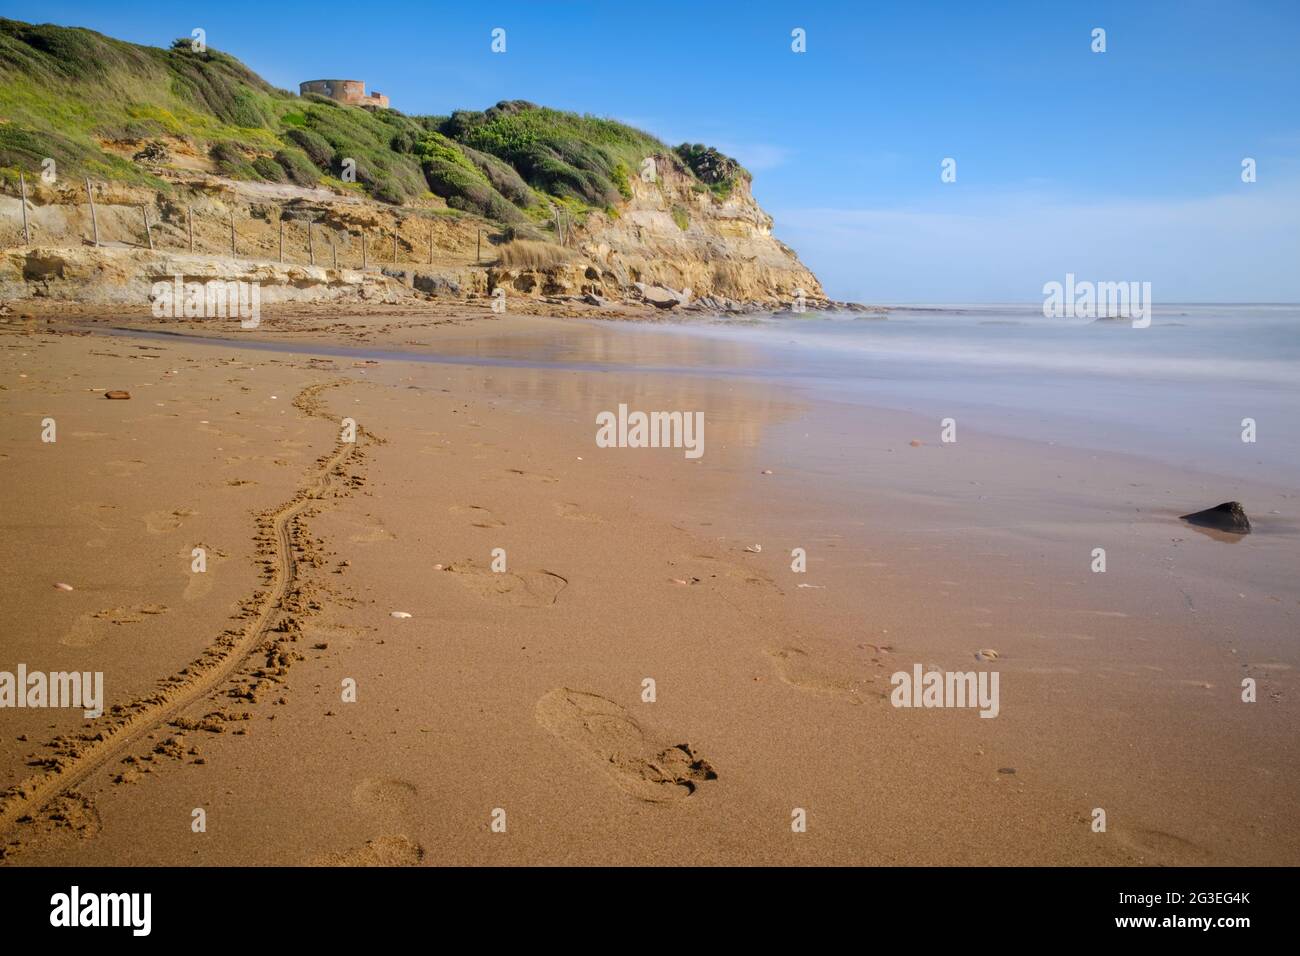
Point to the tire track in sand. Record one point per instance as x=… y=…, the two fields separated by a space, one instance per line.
x=77 y=757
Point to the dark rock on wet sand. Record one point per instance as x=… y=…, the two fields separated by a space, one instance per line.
x=1229 y=516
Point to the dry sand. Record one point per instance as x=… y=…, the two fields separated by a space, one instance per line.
x=522 y=691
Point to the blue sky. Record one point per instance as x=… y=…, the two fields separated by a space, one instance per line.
x=1117 y=165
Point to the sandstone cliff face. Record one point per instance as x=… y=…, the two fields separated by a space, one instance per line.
x=674 y=234
x=126 y=278
x=715 y=253
x=725 y=250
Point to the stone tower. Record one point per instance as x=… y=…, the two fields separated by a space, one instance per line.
x=351 y=92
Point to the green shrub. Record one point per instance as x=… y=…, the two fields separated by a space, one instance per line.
x=559 y=153
x=452 y=175
x=314 y=145
x=501 y=176
x=621 y=181
x=386 y=190
x=297 y=167
x=720 y=173
x=269 y=169
x=229 y=160
x=404 y=141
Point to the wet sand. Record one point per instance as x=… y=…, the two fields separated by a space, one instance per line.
x=523 y=691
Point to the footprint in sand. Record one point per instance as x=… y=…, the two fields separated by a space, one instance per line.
x=393 y=805
x=129 y=615
x=532 y=475
x=479 y=517
x=525 y=589
x=93 y=513
x=388 y=850
x=387 y=797
x=612 y=739
x=567 y=509
x=1159 y=847
x=799 y=668
x=372 y=530
x=1266 y=668
x=701 y=568
x=199 y=583
x=161 y=522
x=320 y=636
x=93 y=628
x=121 y=468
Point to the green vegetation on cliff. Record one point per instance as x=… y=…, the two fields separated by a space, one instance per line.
x=88 y=102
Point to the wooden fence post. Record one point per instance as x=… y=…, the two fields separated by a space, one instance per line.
x=189 y=214
x=311 y=245
x=148 y=233
x=94 y=223
x=22 y=189
x=363 y=249
x=281 y=239
x=232 y=232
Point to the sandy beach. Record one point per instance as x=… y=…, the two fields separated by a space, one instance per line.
x=277 y=692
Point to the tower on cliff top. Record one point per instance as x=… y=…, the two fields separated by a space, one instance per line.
x=351 y=92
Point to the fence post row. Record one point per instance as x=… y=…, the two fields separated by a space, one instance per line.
x=234 y=235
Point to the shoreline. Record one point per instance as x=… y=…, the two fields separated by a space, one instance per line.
x=780 y=689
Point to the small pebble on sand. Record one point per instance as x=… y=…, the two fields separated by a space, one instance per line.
x=399 y=614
